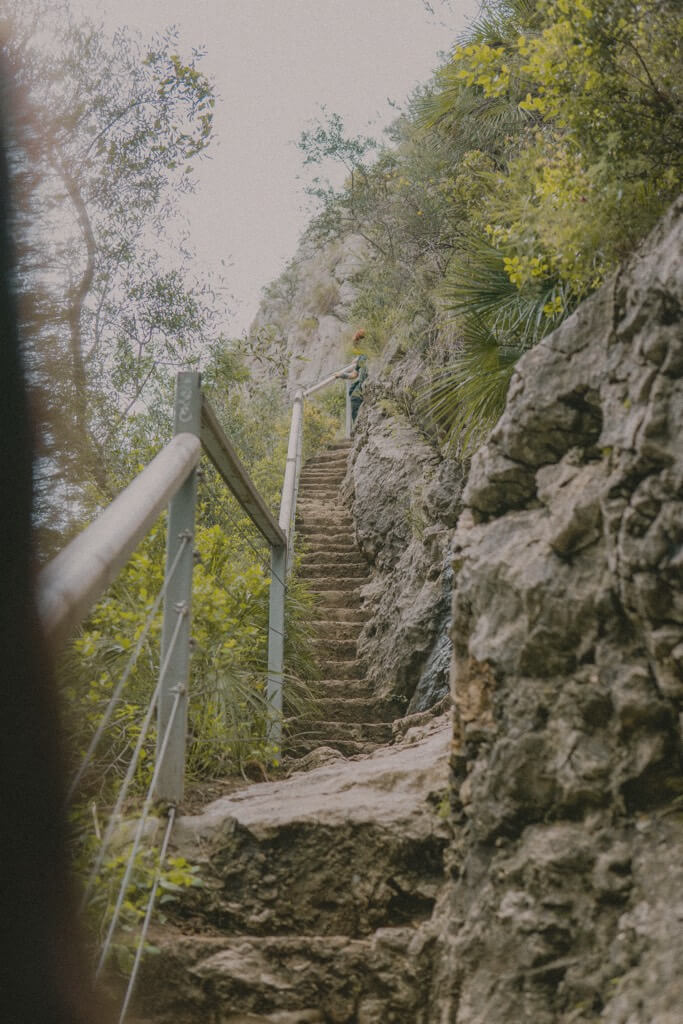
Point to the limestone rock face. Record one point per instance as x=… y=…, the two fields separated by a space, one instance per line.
x=302 y=322
x=567 y=675
x=405 y=500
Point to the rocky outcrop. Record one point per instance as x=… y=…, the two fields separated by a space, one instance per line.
x=405 y=499
x=565 y=903
x=301 y=330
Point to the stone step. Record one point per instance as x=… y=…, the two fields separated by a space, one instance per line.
x=306 y=855
x=338 y=668
x=329 y=572
x=343 y=614
x=331 y=629
x=337 y=648
x=310 y=485
x=332 y=464
x=303 y=979
x=313 y=884
x=334 y=522
x=329 y=540
x=300 y=746
x=358 y=709
x=326 y=558
x=323 y=495
x=329 y=733
x=336 y=582
x=325 y=504
x=331 y=545
x=337 y=600
x=334 y=461
x=335 y=543
x=350 y=689
x=330 y=556
x=321 y=475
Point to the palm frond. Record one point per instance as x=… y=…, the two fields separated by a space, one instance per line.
x=477 y=285
x=500 y=22
x=466 y=398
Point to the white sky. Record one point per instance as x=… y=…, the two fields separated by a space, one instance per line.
x=274 y=63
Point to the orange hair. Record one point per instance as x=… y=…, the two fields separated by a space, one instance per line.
x=358 y=335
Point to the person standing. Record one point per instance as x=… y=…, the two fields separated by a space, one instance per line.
x=358 y=375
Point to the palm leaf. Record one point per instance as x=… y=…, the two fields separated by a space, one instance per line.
x=467 y=397
x=477 y=285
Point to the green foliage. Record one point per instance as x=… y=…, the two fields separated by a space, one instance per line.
x=584 y=101
x=106 y=138
x=546 y=147
x=176 y=877
x=228 y=708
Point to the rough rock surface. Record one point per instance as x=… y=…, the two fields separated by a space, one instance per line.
x=565 y=901
x=303 y=318
x=319 y=892
x=405 y=500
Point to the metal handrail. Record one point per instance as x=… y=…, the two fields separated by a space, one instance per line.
x=328 y=380
x=71 y=584
x=227 y=462
x=76 y=578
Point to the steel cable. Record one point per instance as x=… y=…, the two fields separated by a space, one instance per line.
x=132 y=661
x=144 y=729
x=138 y=835
x=148 y=916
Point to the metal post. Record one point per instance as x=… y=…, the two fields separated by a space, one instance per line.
x=297 y=474
x=280 y=564
x=175 y=637
x=347 y=433
x=276 y=643
x=288 y=502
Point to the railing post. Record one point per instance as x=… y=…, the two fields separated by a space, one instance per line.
x=276 y=643
x=175 y=636
x=348 y=410
x=281 y=558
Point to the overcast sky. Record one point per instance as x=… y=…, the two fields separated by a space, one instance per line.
x=275 y=63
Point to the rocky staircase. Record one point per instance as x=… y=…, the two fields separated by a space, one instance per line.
x=350 y=718
x=318 y=889
x=317 y=900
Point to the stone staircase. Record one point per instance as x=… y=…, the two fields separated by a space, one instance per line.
x=351 y=720
x=318 y=897
x=318 y=889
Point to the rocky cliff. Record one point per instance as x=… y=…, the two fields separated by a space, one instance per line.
x=301 y=329
x=565 y=896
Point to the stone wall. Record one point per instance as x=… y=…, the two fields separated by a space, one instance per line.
x=565 y=900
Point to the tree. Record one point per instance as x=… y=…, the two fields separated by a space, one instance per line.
x=107 y=137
